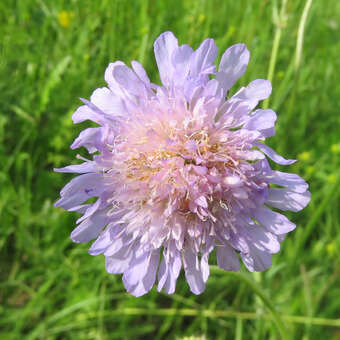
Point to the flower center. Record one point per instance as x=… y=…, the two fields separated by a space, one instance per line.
x=193 y=174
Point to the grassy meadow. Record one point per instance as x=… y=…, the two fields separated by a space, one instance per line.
x=54 y=51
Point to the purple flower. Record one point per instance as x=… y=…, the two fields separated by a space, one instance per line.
x=179 y=170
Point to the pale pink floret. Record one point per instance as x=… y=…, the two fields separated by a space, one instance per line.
x=179 y=170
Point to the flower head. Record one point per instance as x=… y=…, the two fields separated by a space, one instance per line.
x=179 y=170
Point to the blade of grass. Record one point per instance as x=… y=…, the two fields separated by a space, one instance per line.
x=331 y=191
x=245 y=278
x=130 y=311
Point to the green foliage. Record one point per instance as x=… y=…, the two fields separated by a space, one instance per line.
x=51 y=53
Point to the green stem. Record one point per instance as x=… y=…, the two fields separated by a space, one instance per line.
x=301 y=30
x=279 y=21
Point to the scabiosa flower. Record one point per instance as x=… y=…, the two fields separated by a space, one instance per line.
x=179 y=170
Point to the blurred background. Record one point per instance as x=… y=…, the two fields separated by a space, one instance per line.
x=51 y=53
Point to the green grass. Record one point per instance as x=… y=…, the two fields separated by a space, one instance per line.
x=51 y=288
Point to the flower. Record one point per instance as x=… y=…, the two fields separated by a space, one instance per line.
x=64 y=18
x=179 y=170
x=304 y=156
x=335 y=148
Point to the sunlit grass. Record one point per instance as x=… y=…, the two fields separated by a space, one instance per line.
x=52 y=53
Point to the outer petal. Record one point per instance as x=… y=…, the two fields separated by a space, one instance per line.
x=234 y=112
x=272 y=221
x=233 y=64
x=193 y=272
x=227 y=258
x=89 y=138
x=164 y=47
x=141 y=73
x=141 y=275
x=257 y=90
x=81 y=189
x=202 y=59
x=262 y=239
x=168 y=272
x=181 y=61
x=98 y=205
x=118 y=243
x=238 y=239
x=120 y=261
x=85 y=113
x=108 y=102
x=109 y=78
x=91 y=227
x=257 y=260
x=273 y=155
x=101 y=243
x=181 y=58
x=205 y=266
x=285 y=199
x=291 y=181
x=129 y=81
x=263 y=121
x=138 y=268
x=79 y=168
x=91 y=111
